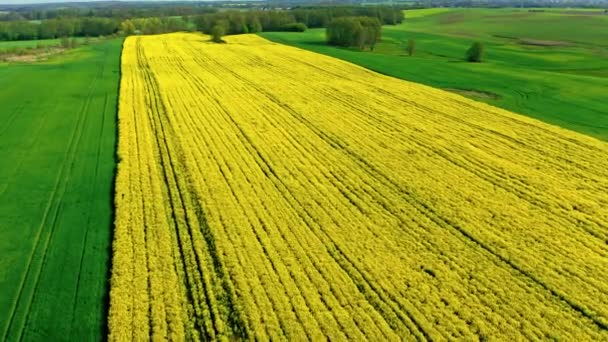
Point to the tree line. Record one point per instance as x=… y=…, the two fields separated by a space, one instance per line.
x=361 y=32
x=312 y=16
x=322 y=16
x=55 y=28
x=297 y=19
x=116 y=10
x=153 y=25
x=231 y=22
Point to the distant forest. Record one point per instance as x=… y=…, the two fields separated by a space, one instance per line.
x=35 y=23
x=93 y=19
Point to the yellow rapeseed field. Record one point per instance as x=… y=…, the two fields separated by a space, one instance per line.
x=266 y=192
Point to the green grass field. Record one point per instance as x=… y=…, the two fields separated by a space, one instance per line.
x=57 y=138
x=5 y=45
x=551 y=65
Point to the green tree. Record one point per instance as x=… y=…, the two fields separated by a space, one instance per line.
x=23 y=30
x=65 y=27
x=152 y=26
x=294 y=27
x=97 y=27
x=217 y=32
x=236 y=24
x=411 y=47
x=255 y=25
x=47 y=29
x=358 y=32
x=371 y=29
x=203 y=23
x=127 y=27
x=176 y=25
x=475 y=52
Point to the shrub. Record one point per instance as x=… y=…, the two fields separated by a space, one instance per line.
x=217 y=32
x=65 y=42
x=411 y=46
x=475 y=52
x=294 y=27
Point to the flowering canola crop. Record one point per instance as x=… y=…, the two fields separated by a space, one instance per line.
x=266 y=192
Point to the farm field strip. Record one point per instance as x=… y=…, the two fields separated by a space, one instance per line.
x=44 y=235
x=55 y=196
x=268 y=192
